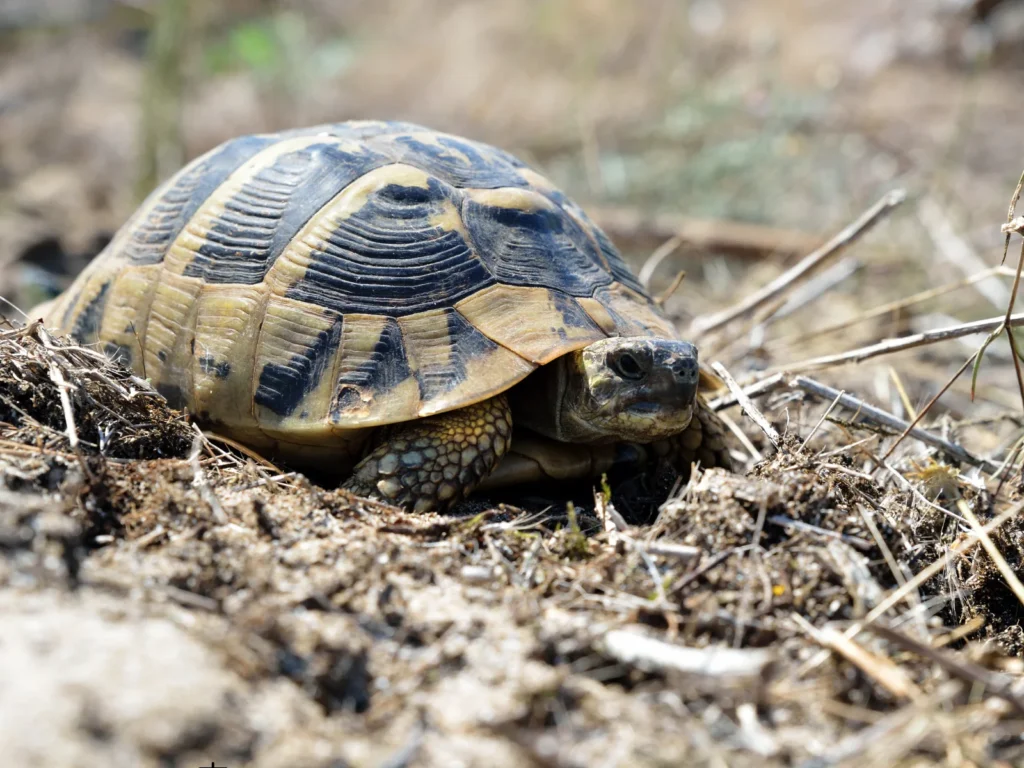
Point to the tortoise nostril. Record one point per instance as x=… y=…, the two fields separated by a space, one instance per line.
x=686 y=370
x=627 y=366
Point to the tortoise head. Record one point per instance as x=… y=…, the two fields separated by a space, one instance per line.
x=635 y=388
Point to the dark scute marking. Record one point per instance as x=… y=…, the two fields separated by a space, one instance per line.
x=268 y=212
x=388 y=258
x=174 y=394
x=486 y=168
x=282 y=386
x=119 y=353
x=467 y=343
x=620 y=271
x=178 y=200
x=538 y=248
x=209 y=365
x=87 y=323
x=386 y=367
x=609 y=252
x=573 y=315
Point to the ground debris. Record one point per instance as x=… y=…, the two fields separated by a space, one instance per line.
x=334 y=631
x=109 y=411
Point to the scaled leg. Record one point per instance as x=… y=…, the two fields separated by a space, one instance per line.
x=431 y=463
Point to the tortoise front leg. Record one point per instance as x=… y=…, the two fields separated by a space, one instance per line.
x=431 y=463
x=537 y=459
x=705 y=442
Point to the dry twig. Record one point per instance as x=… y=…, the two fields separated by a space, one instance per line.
x=880 y=669
x=889 y=308
x=806 y=266
x=648 y=653
x=866 y=412
x=888 y=346
x=747 y=405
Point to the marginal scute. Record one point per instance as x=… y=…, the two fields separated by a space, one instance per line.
x=537 y=324
x=295 y=360
x=169 y=335
x=374 y=382
x=82 y=315
x=634 y=313
x=454 y=363
x=228 y=320
x=124 y=321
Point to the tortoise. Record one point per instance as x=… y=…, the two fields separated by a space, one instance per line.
x=382 y=302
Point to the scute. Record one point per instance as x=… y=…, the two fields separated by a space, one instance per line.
x=390 y=243
x=525 y=239
x=298 y=287
x=461 y=162
x=269 y=209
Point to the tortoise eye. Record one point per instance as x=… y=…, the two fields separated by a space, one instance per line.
x=626 y=366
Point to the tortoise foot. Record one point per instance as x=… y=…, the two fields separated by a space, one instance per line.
x=429 y=464
x=705 y=442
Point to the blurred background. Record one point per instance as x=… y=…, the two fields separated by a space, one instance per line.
x=727 y=136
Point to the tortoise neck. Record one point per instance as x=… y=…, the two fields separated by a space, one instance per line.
x=545 y=402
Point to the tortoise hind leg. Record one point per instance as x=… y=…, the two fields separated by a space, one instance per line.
x=429 y=464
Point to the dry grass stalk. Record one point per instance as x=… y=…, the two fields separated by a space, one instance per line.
x=959 y=549
x=1006 y=325
x=993 y=551
x=805 y=267
x=957 y=665
x=889 y=346
x=654 y=261
x=760 y=387
x=957 y=252
x=65 y=400
x=682 y=552
x=869 y=413
x=644 y=652
x=825 y=415
x=795 y=340
x=883 y=671
x=741 y=436
x=956 y=551
x=747 y=405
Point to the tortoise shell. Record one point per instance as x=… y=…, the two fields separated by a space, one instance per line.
x=299 y=285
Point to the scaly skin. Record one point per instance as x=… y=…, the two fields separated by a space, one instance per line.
x=429 y=464
x=704 y=442
x=640 y=391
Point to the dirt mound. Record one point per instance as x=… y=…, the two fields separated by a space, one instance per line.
x=189 y=605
